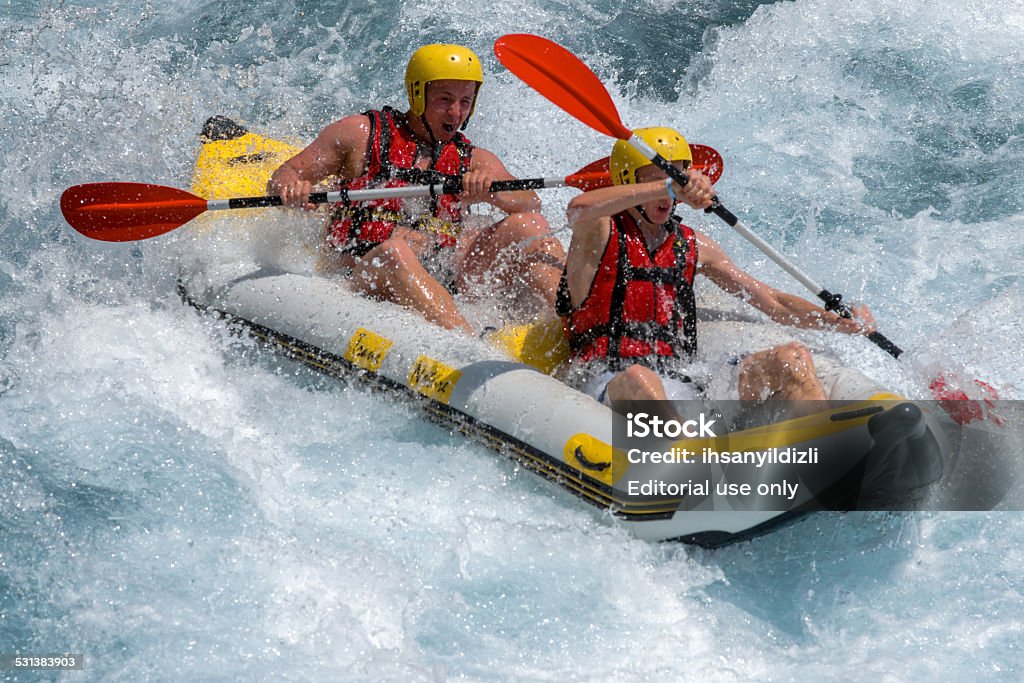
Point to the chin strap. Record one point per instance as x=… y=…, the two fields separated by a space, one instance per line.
x=435 y=144
x=430 y=131
x=667 y=225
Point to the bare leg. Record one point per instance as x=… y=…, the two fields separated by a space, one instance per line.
x=391 y=271
x=522 y=254
x=635 y=384
x=782 y=372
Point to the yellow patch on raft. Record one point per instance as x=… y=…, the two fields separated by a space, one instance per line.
x=541 y=344
x=595 y=458
x=367 y=349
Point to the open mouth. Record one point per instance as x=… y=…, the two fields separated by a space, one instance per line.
x=448 y=128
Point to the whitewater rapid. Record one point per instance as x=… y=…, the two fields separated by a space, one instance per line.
x=178 y=504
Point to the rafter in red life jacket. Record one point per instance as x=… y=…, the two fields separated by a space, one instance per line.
x=392 y=151
x=640 y=307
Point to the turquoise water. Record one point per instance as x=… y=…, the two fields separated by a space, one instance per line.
x=177 y=504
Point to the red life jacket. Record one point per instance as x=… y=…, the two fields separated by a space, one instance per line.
x=356 y=228
x=640 y=307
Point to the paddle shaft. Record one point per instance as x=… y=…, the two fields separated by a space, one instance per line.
x=348 y=196
x=126 y=212
x=833 y=302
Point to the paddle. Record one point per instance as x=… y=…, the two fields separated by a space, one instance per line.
x=127 y=212
x=562 y=78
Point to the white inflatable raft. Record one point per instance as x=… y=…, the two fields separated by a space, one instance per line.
x=873 y=451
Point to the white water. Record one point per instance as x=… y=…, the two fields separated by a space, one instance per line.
x=177 y=504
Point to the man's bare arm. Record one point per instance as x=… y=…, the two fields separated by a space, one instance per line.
x=783 y=308
x=339 y=149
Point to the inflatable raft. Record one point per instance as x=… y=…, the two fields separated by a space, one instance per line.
x=867 y=450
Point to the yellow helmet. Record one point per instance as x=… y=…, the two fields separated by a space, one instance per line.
x=625 y=160
x=437 y=63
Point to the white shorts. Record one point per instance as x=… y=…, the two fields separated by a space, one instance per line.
x=718 y=380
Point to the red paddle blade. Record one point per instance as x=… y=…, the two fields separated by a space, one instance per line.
x=126 y=212
x=560 y=76
x=591 y=177
x=708 y=161
x=964 y=409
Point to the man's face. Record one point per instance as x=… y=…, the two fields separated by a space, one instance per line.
x=448 y=105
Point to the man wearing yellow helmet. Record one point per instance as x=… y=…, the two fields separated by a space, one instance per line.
x=416 y=252
x=628 y=300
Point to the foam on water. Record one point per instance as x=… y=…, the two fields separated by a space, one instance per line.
x=178 y=504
